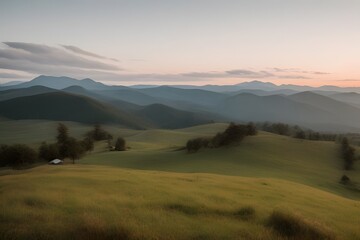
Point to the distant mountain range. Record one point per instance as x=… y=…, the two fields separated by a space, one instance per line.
x=87 y=83
x=326 y=108
x=258 y=85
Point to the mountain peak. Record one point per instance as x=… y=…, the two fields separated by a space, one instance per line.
x=62 y=82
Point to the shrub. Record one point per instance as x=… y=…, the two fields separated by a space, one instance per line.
x=344 y=179
x=234 y=133
x=251 y=129
x=98 y=133
x=194 y=145
x=120 y=144
x=17 y=155
x=295 y=227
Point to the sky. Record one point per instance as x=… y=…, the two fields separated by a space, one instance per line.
x=303 y=42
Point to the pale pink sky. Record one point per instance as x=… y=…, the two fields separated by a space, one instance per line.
x=183 y=42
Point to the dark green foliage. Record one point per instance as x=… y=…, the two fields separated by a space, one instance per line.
x=63 y=133
x=314 y=135
x=281 y=128
x=120 y=144
x=344 y=179
x=245 y=213
x=99 y=134
x=62 y=140
x=348 y=154
x=233 y=134
x=300 y=134
x=17 y=155
x=69 y=147
x=48 y=152
x=194 y=145
x=295 y=227
x=88 y=144
x=296 y=131
x=251 y=129
x=75 y=149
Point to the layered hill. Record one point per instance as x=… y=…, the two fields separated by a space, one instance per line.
x=323 y=110
x=85 y=106
x=167 y=117
x=352 y=98
x=66 y=107
x=340 y=111
x=23 y=92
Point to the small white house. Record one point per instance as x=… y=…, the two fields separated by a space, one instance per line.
x=56 y=161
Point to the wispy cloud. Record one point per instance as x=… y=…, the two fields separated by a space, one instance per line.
x=296 y=70
x=348 y=80
x=243 y=73
x=86 y=53
x=292 y=77
x=46 y=55
x=31 y=59
x=235 y=73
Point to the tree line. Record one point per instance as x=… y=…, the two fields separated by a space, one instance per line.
x=297 y=132
x=233 y=134
x=66 y=146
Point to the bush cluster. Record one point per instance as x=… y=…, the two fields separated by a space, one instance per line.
x=17 y=155
x=99 y=134
x=234 y=133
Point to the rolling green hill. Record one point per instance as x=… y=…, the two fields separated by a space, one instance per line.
x=64 y=107
x=180 y=196
x=314 y=163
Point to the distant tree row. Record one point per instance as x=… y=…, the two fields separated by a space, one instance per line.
x=233 y=134
x=17 y=155
x=297 y=132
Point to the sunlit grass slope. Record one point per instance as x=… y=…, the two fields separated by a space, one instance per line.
x=314 y=163
x=87 y=202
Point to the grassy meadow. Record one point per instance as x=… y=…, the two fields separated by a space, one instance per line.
x=157 y=191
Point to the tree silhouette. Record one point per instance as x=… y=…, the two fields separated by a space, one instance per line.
x=348 y=154
x=120 y=144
